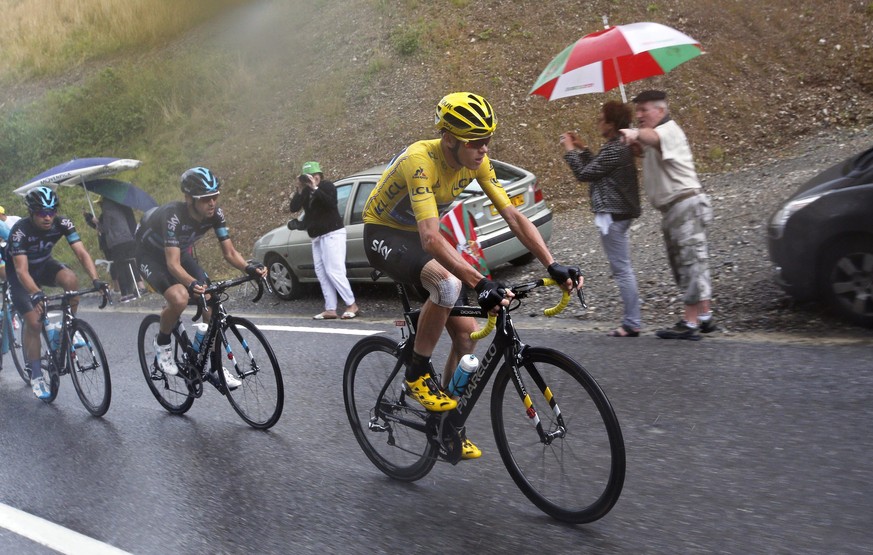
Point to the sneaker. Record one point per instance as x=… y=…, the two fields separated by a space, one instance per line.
x=78 y=341
x=469 y=450
x=164 y=354
x=427 y=392
x=232 y=381
x=680 y=331
x=708 y=326
x=40 y=388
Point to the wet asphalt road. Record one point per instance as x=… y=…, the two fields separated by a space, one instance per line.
x=733 y=447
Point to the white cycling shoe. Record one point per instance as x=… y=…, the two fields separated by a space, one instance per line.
x=164 y=354
x=232 y=381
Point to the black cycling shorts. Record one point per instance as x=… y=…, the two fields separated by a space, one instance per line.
x=396 y=253
x=153 y=268
x=44 y=274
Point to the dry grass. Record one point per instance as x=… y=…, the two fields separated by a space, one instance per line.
x=39 y=37
x=351 y=83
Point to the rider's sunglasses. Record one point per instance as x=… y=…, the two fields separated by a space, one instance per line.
x=476 y=144
x=46 y=213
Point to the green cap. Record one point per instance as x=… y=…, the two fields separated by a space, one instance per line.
x=311 y=168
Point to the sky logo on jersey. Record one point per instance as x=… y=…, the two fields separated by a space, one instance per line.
x=419 y=174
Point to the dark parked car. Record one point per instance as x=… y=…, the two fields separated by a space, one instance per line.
x=821 y=239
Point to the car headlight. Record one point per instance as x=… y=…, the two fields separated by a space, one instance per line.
x=780 y=218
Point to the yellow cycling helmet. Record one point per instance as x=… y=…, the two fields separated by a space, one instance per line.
x=465 y=115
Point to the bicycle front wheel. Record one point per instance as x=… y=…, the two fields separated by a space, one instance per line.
x=13 y=328
x=172 y=392
x=89 y=368
x=52 y=363
x=396 y=449
x=577 y=472
x=249 y=358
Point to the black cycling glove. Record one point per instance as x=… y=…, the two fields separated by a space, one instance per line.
x=99 y=284
x=490 y=293
x=192 y=285
x=37 y=298
x=562 y=273
x=252 y=269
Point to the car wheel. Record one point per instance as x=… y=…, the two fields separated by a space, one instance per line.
x=522 y=260
x=847 y=279
x=285 y=284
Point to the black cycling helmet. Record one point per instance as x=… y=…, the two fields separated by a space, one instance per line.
x=200 y=182
x=41 y=198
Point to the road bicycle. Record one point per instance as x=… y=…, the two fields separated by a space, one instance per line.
x=74 y=349
x=554 y=427
x=11 y=329
x=249 y=358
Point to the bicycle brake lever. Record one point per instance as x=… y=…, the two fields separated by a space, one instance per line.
x=581 y=294
x=261 y=283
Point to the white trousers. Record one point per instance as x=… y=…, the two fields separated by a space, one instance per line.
x=329 y=256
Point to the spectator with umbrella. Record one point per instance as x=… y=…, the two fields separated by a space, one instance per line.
x=672 y=187
x=615 y=201
x=116 y=227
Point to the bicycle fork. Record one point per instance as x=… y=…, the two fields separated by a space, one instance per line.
x=560 y=430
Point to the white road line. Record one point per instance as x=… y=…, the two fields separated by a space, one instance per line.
x=332 y=331
x=52 y=535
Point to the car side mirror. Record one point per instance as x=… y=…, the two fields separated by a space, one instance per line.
x=293 y=224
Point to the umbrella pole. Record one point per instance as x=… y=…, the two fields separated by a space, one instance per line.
x=615 y=65
x=88 y=197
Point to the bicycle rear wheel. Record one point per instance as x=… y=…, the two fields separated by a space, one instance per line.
x=89 y=368
x=578 y=475
x=249 y=357
x=172 y=392
x=396 y=449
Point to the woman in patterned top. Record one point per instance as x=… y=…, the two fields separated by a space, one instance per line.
x=615 y=201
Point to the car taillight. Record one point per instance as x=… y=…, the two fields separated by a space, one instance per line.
x=538 y=195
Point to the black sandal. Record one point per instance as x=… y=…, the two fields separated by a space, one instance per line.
x=628 y=332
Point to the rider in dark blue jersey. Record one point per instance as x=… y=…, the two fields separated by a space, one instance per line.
x=164 y=242
x=30 y=265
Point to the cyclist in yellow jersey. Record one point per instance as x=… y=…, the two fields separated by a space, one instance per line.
x=402 y=237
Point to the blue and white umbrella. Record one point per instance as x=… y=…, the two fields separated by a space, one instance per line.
x=79 y=171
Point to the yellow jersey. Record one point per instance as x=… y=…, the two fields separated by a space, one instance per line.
x=419 y=184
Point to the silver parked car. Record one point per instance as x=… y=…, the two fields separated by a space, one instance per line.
x=287 y=251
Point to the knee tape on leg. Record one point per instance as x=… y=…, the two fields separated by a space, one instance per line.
x=445 y=291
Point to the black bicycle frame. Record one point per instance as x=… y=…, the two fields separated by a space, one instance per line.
x=503 y=346
x=199 y=362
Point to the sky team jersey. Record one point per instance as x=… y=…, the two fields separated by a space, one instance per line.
x=27 y=239
x=419 y=184
x=171 y=225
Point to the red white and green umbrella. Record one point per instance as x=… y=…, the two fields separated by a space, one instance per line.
x=607 y=59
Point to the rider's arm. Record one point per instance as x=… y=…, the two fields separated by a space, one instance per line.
x=433 y=242
x=527 y=233
x=23 y=273
x=85 y=259
x=232 y=256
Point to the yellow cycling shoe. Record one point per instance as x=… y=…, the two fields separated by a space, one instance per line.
x=425 y=391
x=469 y=450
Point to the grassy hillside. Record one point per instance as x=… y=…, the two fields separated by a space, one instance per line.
x=267 y=84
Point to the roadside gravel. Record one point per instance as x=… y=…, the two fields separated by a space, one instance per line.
x=746 y=300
